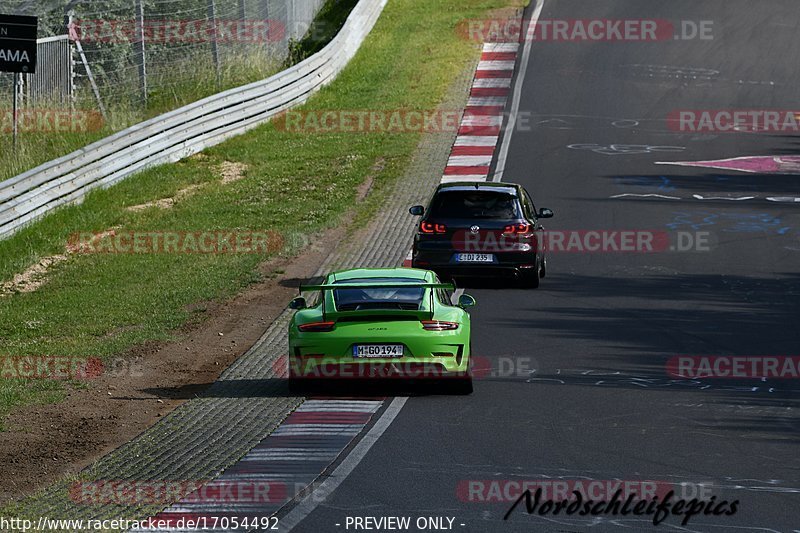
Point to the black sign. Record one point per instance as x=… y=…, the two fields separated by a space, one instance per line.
x=18 y=43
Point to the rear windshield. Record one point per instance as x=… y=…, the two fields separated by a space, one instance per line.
x=378 y=298
x=474 y=204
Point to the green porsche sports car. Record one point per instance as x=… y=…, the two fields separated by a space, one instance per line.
x=382 y=323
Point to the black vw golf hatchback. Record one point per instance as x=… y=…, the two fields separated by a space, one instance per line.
x=481 y=229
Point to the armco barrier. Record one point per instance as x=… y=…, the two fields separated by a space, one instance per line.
x=179 y=133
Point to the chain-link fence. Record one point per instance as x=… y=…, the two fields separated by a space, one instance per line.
x=157 y=54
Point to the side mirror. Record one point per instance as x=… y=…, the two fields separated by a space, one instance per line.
x=465 y=300
x=417 y=210
x=545 y=213
x=298 y=303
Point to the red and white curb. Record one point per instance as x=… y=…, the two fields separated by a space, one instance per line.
x=274 y=472
x=479 y=132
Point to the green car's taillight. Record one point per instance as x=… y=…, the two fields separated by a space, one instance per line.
x=315 y=327
x=436 y=325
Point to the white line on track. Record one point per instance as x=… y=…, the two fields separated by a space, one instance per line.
x=646 y=196
x=345 y=468
x=517 y=95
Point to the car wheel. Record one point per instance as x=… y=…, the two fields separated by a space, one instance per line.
x=543 y=270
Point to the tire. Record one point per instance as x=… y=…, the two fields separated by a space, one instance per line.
x=543 y=271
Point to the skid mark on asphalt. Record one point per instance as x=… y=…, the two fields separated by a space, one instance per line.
x=277 y=469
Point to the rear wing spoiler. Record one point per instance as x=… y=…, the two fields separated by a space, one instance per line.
x=336 y=286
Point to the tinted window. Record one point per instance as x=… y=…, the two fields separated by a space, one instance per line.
x=474 y=204
x=378 y=298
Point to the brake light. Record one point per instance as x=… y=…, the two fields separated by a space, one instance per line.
x=517 y=228
x=316 y=327
x=430 y=227
x=436 y=325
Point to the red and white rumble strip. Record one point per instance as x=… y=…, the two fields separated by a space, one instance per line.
x=251 y=491
x=482 y=121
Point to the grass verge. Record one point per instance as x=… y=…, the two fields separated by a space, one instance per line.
x=297 y=184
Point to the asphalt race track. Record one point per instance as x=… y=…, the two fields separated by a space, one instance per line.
x=579 y=387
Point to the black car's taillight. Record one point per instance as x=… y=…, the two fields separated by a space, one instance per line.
x=431 y=228
x=515 y=229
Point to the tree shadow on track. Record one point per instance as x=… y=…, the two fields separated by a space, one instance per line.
x=279 y=388
x=639 y=324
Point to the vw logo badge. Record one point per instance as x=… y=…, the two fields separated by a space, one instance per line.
x=475 y=229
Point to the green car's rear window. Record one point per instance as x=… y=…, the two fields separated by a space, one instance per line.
x=378 y=298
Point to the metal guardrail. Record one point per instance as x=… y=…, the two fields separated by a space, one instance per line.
x=179 y=133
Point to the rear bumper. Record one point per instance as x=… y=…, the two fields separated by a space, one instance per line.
x=504 y=264
x=406 y=367
x=306 y=369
